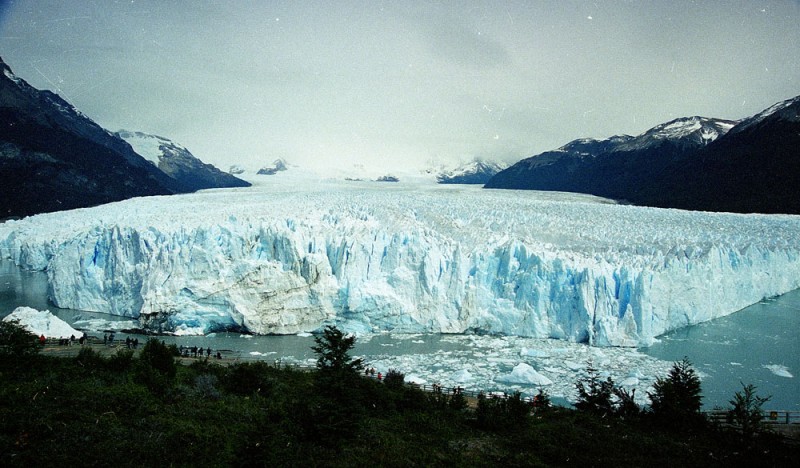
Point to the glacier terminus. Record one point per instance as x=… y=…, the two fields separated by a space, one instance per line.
x=293 y=256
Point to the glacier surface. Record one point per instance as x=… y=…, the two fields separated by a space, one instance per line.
x=295 y=255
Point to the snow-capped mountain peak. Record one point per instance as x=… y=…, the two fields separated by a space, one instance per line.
x=476 y=171
x=692 y=131
x=788 y=110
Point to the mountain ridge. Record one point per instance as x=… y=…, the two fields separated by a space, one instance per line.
x=679 y=164
x=53 y=157
x=178 y=162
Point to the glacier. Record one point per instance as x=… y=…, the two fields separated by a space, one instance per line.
x=293 y=255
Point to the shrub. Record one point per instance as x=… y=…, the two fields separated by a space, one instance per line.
x=247 y=379
x=394 y=379
x=156 y=367
x=159 y=357
x=121 y=361
x=89 y=358
x=626 y=406
x=499 y=413
x=16 y=340
x=205 y=386
x=457 y=401
x=541 y=400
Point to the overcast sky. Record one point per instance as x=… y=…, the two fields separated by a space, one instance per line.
x=398 y=83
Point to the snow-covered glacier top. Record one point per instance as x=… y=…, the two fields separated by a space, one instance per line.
x=290 y=257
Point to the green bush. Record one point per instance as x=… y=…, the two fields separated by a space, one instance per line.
x=333 y=352
x=156 y=367
x=247 y=379
x=502 y=413
x=90 y=359
x=626 y=406
x=394 y=379
x=205 y=386
x=159 y=357
x=121 y=361
x=16 y=340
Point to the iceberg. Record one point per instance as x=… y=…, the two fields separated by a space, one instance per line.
x=407 y=258
x=462 y=376
x=779 y=370
x=524 y=374
x=42 y=322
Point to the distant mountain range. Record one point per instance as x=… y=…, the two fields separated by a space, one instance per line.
x=279 y=165
x=53 y=158
x=474 y=172
x=695 y=163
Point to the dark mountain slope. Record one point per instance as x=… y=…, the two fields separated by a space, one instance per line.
x=755 y=167
x=54 y=158
x=691 y=163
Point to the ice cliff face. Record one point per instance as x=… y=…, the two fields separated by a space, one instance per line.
x=411 y=259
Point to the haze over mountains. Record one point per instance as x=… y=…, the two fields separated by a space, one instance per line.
x=54 y=158
x=694 y=163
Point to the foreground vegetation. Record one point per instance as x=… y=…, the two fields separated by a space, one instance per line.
x=146 y=410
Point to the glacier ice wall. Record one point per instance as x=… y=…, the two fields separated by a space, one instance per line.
x=407 y=259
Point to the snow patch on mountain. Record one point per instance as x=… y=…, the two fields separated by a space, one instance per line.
x=150 y=147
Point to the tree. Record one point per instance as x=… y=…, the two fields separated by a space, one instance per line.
x=746 y=411
x=337 y=405
x=594 y=394
x=676 y=399
x=626 y=403
x=333 y=352
x=16 y=340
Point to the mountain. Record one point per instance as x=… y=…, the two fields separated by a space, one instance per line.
x=475 y=172
x=755 y=167
x=53 y=158
x=236 y=170
x=693 y=163
x=278 y=165
x=179 y=163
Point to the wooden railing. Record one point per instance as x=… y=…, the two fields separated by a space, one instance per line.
x=770 y=417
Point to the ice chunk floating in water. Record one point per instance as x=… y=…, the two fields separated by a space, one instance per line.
x=779 y=370
x=407 y=259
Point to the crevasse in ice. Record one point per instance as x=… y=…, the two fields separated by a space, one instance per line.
x=407 y=258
